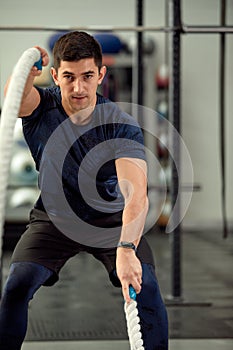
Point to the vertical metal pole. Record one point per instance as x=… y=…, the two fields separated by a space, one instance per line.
x=139 y=54
x=137 y=72
x=174 y=113
x=222 y=114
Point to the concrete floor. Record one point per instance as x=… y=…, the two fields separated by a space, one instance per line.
x=175 y=344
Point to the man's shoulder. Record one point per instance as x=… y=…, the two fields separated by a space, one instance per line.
x=117 y=112
x=51 y=93
x=101 y=99
x=50 y=100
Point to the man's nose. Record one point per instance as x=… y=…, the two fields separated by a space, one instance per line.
x=77 y=85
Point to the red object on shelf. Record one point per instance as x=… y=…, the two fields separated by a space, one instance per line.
x=162 y=77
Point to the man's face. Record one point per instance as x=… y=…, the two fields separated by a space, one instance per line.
x=78 y=82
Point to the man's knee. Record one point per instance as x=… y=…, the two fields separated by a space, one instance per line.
x=22 y=281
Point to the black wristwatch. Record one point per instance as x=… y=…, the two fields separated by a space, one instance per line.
x=127 y=245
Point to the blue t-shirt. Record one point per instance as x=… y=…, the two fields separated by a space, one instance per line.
x=76 y=163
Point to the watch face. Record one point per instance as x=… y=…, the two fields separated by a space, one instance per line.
x=130 y=245
x=126 y=245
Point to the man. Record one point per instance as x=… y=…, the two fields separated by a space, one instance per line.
x=93 y=182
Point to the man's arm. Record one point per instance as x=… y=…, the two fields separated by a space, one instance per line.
x=132 y=178
x=31 y=97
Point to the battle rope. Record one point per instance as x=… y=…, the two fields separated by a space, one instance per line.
x=9 y=116
x=133 y=322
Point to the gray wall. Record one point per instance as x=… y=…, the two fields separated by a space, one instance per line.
x=200 y=79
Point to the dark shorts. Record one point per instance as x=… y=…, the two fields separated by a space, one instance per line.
x=44 y=244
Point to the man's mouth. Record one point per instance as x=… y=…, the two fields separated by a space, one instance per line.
x=79 y=98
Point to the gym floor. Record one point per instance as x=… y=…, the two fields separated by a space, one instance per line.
x=184 y=344
x=84 y=311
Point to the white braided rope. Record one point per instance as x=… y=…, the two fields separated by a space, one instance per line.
x=9 y=116
x=133 y=325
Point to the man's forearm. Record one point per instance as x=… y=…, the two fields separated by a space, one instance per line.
x=134 y=217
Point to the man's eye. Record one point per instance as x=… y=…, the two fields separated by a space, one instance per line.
x=88 y=76
x=68 y=77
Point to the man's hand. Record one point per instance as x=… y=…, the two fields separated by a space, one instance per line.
x=45 y=61
x=129 y=271
x=31 y=97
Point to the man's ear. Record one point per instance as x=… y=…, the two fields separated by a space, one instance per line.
x=102 y=73
x=53 y=72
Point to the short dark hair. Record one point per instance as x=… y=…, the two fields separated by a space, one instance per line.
x=74 y=46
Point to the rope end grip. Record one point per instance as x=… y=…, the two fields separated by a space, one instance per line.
x=38 y=64
x=132 y=293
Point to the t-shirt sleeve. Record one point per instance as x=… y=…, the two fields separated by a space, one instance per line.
x=47 y=103
x=38 y=110
x=129 y=141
